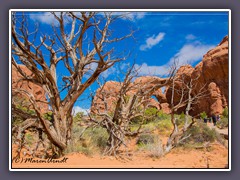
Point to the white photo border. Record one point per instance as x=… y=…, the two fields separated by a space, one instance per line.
x=120 y=169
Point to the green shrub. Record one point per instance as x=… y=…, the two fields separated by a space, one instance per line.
x=48 y=116
x=225 y=112
x=93 y=140
x=151 y=143
x=162 y=116
x=99 y=137
x=165 y=125
x=222 y=123
x=203 y=115
x=182 y=115
x=151 y=111
x=201 y=133
x=29 y=139
x=78 y=117
x=145 y=139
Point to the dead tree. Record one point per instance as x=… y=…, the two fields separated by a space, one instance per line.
x=131 y=102
x=87 y=44
x=184 y=94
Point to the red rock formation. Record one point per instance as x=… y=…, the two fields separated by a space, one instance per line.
x=213 y=74
x=213 y=71
x=111 y=89
x=36 y=90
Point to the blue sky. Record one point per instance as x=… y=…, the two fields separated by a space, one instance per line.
x=159 y=38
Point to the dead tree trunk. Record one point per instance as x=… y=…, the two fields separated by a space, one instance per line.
x=182 y=89
x=131 y=102
x=78 y=62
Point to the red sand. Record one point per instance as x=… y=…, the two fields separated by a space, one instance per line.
x=178 y=158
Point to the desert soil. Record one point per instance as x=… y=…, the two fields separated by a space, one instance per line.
x=215 y=157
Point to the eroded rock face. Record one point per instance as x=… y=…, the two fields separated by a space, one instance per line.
x=36 y=90
x=112 y=88
x=110 y=92
x=212 y=74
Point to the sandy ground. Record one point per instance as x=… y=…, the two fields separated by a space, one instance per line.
x=214 y=157
x=217 y=157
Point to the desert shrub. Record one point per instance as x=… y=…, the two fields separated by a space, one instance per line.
x=180 y=121
x=222 y=123
x=162 y=116
x=29 y=139
x=48 y=116
x=156 y=149
x=137 y=120
x=203 y=115
x=78 y=117
x=200 y=133
x=144 y=139
x=16 y=120
x=151 y=113
x=98 y=136
x=93 y=140
x=165 y=126
x=182 y=115
x=151 y=143
x=225 y=112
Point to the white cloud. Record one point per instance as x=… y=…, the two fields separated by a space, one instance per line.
x=77 y=109
x=48 y=18
x=188 y=54
x=190 y=37
x=93 y=66
x=146 y=70
x=191 y=53
x=124 y=66
x=108 y=72
x=152 y=41
x=132 y=16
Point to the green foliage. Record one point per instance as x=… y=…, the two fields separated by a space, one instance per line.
x=223 y=123
x=182 y=115
x=97 y=137
x=180 y=121
x=29 y=138
x=225 y=112
x=16 y=119
x=78 y=117
x=162 y=116
x=155 y=114
x=26 y=109
x=126 y=98
x=165 y=126
x=48 y=116
x=93 y=140
x=203 y=115
x=144 y=139
x=200 y=133
x=151 y=112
